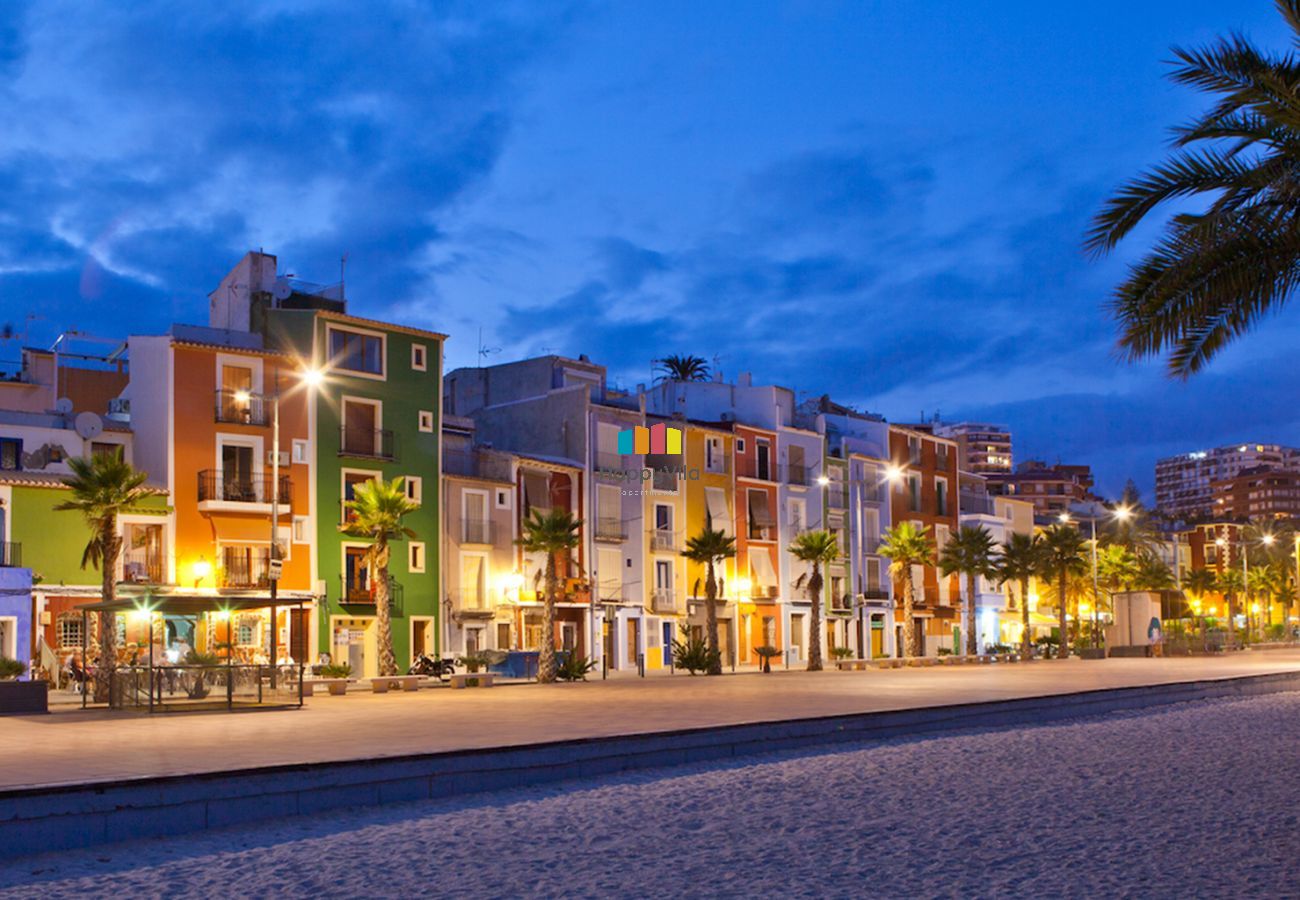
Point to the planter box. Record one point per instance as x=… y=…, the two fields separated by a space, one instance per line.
x=24 y=697
x=1091 y=652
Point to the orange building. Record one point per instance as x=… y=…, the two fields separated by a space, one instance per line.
x=757 y=541
x=925 y=493
x=203 y=404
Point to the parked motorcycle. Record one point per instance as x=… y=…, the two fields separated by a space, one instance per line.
x=424 y=664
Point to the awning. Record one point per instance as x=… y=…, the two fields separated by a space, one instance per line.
x=760 y=564
x=188 y=604
x=718 y=512
x=537 y=491
x=760 y=513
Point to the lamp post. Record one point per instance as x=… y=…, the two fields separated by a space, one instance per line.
x=1122 y=514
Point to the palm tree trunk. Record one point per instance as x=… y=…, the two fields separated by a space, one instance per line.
x=972 y=629
x=1063 y=650
x=711 y=621
x=1026 y=645
x=910 y=647
x=815 y=605
x=1230 y=602
x=383 y=617
x=110 y=547
x=546 y=653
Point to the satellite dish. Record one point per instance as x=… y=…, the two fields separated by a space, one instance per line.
x=88 y=425
x=282 y=288
x=63 y=406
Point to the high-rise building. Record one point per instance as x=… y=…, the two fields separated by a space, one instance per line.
x=1260 y=493
x=1185 y=483
x=1051 y=488
x=982 y=448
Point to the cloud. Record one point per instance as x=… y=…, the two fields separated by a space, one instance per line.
x=161 y=143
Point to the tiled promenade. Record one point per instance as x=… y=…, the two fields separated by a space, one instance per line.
x=70 y=747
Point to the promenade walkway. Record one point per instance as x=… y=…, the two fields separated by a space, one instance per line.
x=76 y=747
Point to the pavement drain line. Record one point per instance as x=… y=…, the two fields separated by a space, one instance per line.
x=35 y=820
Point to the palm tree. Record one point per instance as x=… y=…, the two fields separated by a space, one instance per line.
x=1063 y=557
x=971 y=552
x=1214 y=273
x=102 y=488
x=907 y=545
x=552 y=533
x=682 y=368
x=817 y=548
x=1019 y=562
x=1118 y=568
x=1230 y=583
x=1154 y=574
x=1198 y=583
x=708 y=548
x=375 y=512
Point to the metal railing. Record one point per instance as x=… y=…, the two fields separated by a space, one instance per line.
x=476 y=531
x=359 y=592
x=142 y=565
x=249 y=571
x=241 y=408
x=664 y=480
x=610 y=529
x=719 y=465
x=835 y=498
x=663 y=539
x=367 y=443
x=663 y=600
x=976 y=504
x=795 y=473
x=762 y=532
x=216 y=485
x=11 y=554
x=470 y=600
x=609 y=460
x=162 y=686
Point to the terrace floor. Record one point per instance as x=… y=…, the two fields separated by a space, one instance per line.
x=72 y=746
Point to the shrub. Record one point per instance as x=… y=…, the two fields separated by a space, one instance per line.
x=336 y=670
x=474 y=661
x=767 y=653
x=843 y=653
x=11 y=668
x=195 y=658
x=574 y=667
x=1276 y=632
x=945 y=651
x=693 y=654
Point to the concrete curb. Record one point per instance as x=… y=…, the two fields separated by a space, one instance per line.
x=35 y=820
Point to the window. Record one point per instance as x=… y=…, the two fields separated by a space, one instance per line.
x=68 y=631
x=300 y=534
x=356 y=575
x=105 y=448
x=914 y=493
x=247 y=631
x=419 y=357
x=473 y=580
x=503 y=498
x=717 y=515
x=414 y=488
x=714 y=460
x=941 y=453
x=914 y=450
x=763 y=451
x=11 y=454
x=740 y=445
x=356 y=351
x=300 y=451
x=350 y=482
x=425 y=421
x=940 y=497
x=415 y=557
x=798 y=514
x=663 y=575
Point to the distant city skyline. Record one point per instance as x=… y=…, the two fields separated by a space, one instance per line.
x=851 y=199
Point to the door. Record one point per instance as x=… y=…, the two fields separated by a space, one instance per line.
x=360 y=424
x=236 y=391
x=419 y=645
x=668 y=643
x=633 y=641
x=919 y=625
x=607 y=637
x=877 y=640
x=764 y=456
x=237 y=472
x=298 y=635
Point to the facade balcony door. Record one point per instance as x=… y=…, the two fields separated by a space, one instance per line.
x=237 y=476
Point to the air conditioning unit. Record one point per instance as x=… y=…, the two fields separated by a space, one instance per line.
x=284 y=457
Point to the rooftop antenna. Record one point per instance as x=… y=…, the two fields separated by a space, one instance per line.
x=343 y=276
x=483 y=351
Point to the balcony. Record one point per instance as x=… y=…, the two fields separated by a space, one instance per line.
x=358 y=592
x=142 y=565
x=976 y=504
x=663 y=539
x=476 y=531
x=835 y=498
x=11 y=554
x=665 y=480
x=762 y=532
x=216 y=487
x=469 y=603
x=663 y=600
x=247 y=571
x=606 y=459
x=719 y=465
x=610 y=529
x=796 y=474
x=241 y=408
x=366 y=443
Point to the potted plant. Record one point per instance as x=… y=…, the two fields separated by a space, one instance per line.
x=20 y=696
x=766 y=654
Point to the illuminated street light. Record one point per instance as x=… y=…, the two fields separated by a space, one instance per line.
x=823 y=480
x=893 y=473
x=312 y=377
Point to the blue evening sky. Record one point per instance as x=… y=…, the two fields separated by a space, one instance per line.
x=878 y=200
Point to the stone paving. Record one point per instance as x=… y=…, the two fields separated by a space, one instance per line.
x=73 y=746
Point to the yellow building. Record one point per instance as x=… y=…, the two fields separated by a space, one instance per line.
x=709 y=498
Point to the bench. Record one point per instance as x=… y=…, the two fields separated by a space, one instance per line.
x=846 y=665
x=472 y=679
x=381 y=684
x=336 y=686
